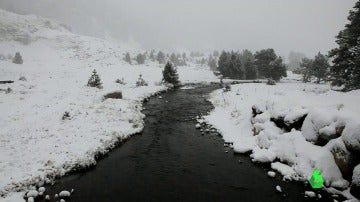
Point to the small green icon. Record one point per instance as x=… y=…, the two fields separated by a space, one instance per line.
x=316 y=180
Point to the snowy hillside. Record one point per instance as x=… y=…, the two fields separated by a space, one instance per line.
x=294 y=127
x=36 y=144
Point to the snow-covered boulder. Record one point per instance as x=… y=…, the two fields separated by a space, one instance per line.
x=355 y=184
x=344 y=159
x=32 y=193
x=351 y=136
x=322 y=125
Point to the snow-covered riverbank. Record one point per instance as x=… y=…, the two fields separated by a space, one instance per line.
x=328 y=138
x=36 y=144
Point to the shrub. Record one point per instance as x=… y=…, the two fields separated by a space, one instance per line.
x=95 y=80
x=22 y=78
x=271 y=82
x=141 y=81
x=66 y=116
x=114 y=95
x=18 y=59
x=120 y=81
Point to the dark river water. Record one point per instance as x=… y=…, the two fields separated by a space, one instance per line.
x=172 y=161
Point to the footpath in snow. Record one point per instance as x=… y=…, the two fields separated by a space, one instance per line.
x=36 y=144
x=296 y=128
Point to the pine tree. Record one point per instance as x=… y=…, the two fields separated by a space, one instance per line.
x=17 y=59
x=305 y=69
x=140 y=59
x=250 y=69
x=277 y=69
x=212 y=63
x=223 y=63
x=160 y=57
x=94 y=80
x=152 y=56
x=319 y=67
x=127 y=58
x=174 y=59
x=170 y=74
x=346 y=69
x=263 y=58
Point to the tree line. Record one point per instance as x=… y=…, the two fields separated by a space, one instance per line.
x=246 y=65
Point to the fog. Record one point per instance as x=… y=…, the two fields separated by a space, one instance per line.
x=306 y=26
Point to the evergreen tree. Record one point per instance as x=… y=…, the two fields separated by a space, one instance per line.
x=152 y=55
x=184 y=57
x=319 y=67
x=263 y=58
x=17 y=59
x=223 y=63
x=212 y=63
x=94 y=80
x=216 y=53
x=140 y=59
x=128 y=58
x=305 y=69
x=250 y=69
x=346 y=69
x=160 y=57
x=174 y=59
x=170 y=74
x=277 y=69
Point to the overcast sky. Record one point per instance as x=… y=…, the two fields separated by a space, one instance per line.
x=306 y=26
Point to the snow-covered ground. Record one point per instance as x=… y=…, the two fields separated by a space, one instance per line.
x=328 y=139
x=36 y=145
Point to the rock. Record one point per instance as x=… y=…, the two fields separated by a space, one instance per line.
x=355 y=183
x=62 y=200
x=197 y=126
x=344 y=159
x=278 y=189
x=310 y=194
x=30 y=199
x=42 y=189
x=32 y=193
x=64 y=194
x=271 y=174
x=47 y=198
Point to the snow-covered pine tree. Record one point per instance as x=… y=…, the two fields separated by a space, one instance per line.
x=320 y=67
x=94 y=80
x=160 y=57
x=141 y=81
x=346 y=58
x=127 y=58
x=140 y=59
x=170 y=74
x=17 y=59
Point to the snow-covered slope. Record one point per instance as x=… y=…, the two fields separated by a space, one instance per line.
x=35 y=143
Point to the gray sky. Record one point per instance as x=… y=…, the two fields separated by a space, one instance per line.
x=306 y=26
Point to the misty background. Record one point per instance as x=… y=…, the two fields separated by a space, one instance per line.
x=305 y=26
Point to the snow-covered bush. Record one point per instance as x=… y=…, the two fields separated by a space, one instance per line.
x=141 y=81
x=22 y=78
x=18 y=59
x=66 y=116
x=95 y=80
x=120 y=81
x=271 y=82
